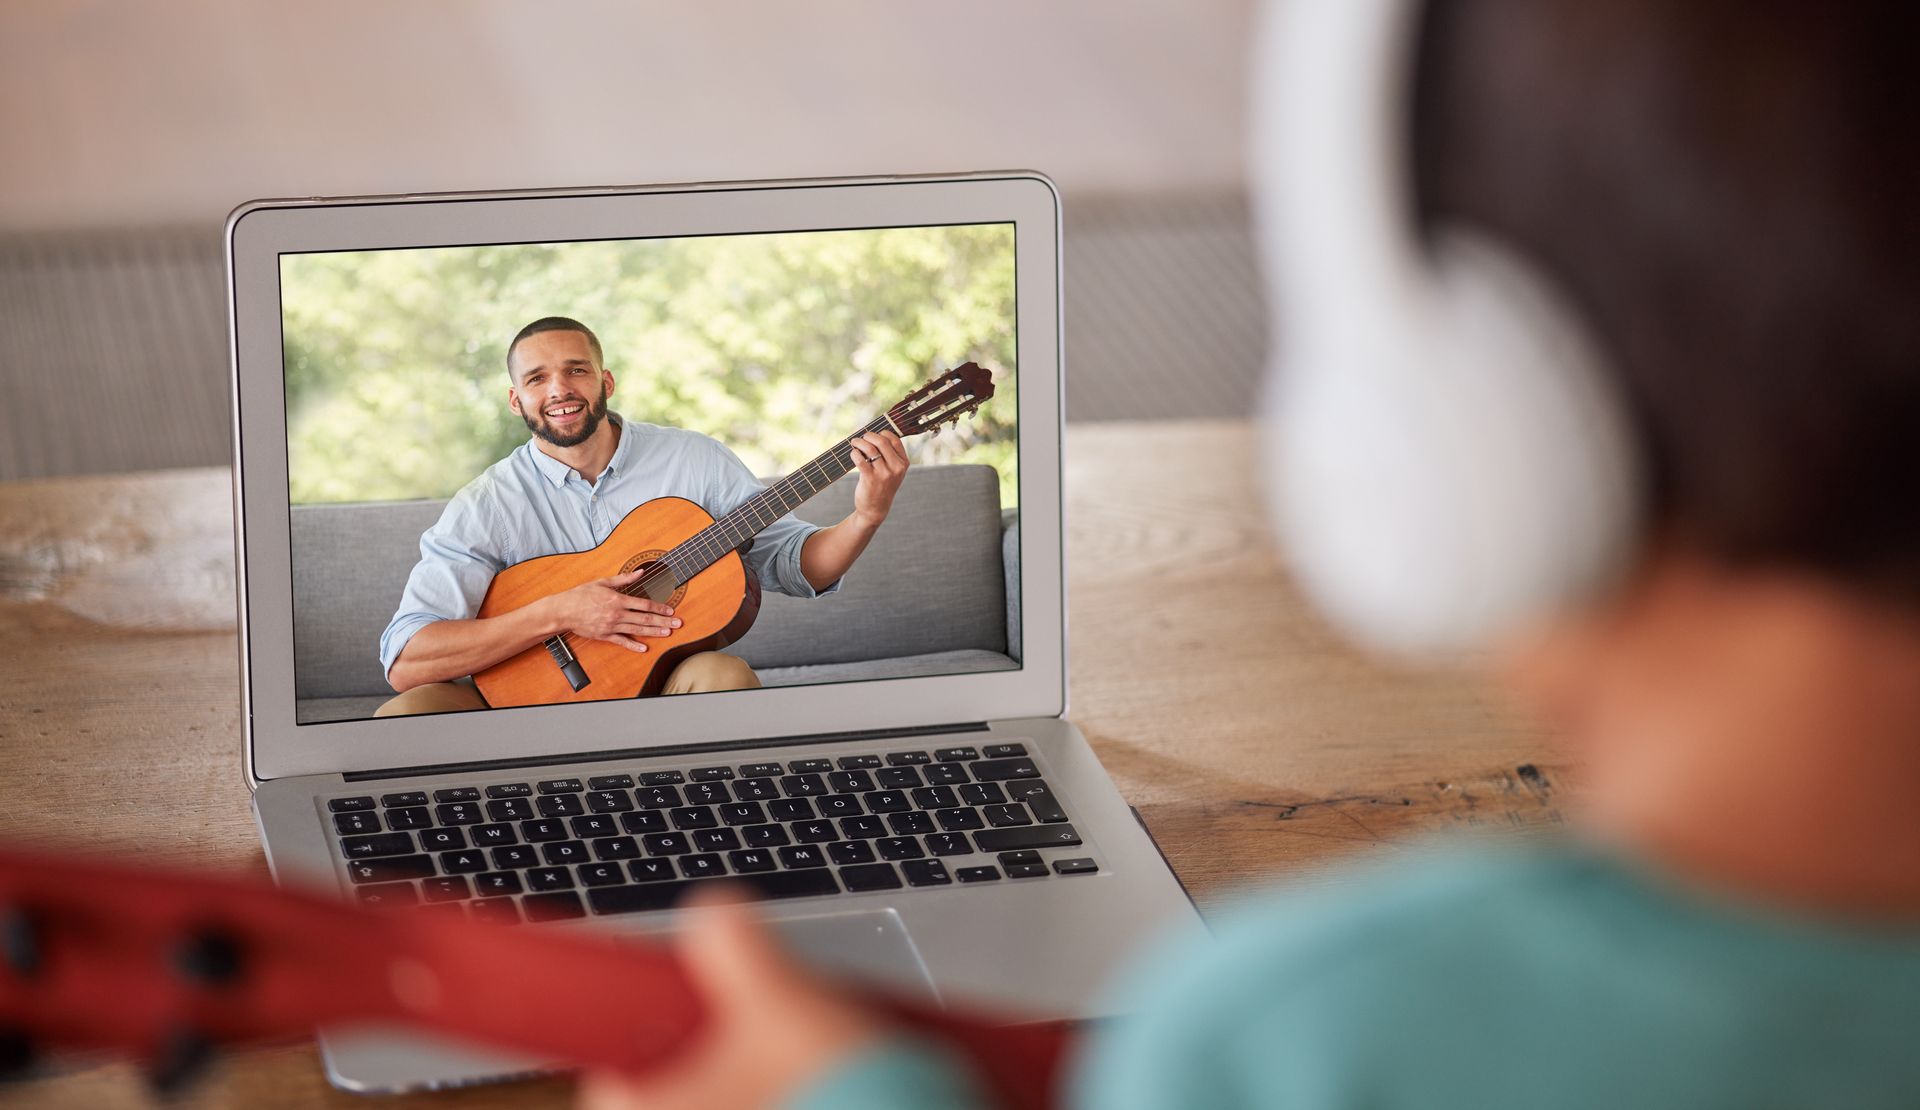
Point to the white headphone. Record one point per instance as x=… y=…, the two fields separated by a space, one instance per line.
x=1445 y=457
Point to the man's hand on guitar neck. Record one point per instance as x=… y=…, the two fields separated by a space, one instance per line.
x=881 y=459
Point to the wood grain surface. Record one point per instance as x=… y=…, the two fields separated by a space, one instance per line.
x=1256 y=745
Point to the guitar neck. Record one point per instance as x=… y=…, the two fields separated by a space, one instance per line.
x=756 y=513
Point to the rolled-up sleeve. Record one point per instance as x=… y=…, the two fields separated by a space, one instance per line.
x=775 y=554
x=459 y=557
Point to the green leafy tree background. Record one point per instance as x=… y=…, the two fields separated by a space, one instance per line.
x=776 y=345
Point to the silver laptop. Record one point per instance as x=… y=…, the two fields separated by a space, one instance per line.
x=884 y=757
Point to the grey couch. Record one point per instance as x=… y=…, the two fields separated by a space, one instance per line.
x=938 y=592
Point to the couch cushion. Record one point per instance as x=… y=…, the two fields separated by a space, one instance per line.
x=350 y=564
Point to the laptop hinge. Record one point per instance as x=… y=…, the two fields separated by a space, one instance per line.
x=655 y=753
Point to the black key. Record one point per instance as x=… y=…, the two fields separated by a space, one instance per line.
x=609 y=801
x=610 y=782
x=1081 y=866
x=651 y=870
x=716 y=840
x=561 y=786
x=1005 y=751
x=983 y=794
x=948 y=844
x=702 y=866
x=346 y=823
x=711 y=774
x=592 y=825
x=926 y=872
x=497 y=911
x=708 y=794
x=870 y=876
x=662 y=778
x=466 y=862
x=666 y=843
x=898 y=778
x=862 y=828
x=553 y=907
x=850 y=851
x=840 y=805
x=520 y=855
x=658 y=797
x=601 y=874
x=978 y=874
x=560 y=805
x=459 y=813
x=904 y=759
x=790 y=809
x=815 y=832
x=760 y=770
x=660 y=896
x=413 y=817
x=742 y=813
x=693 y=817
x=898 y=847
x=457 y=794
x=857 y=762
x=849 y=782
x=935 y=797
x=792 y=884
x=410 y=798
x=948 y=755
x=1032 y=836
x=955 y=820
x=564 y=852
x=391 y=869
x=543 y=829
x=442 y=840
x=888 y=801
x=351 y=805
x=803 y=786
x=913 y=823
x=1039 y=798
x=802 y=855
x=750 y=860
x=756 y=790
x=765 y=836
x=450 y=889
x=1027 y=871
x=510 y=790
x=1001 y=817
x=377 y=845
x=809 y=766
x=616 y=847
x=995 y=770
x=493 y=836
x=389 y=894
x=946 y=774
x=550 y=878
x=510 y=809
x=1015 y=859
x=643 y=821
x=496 y=882
x=639 y=898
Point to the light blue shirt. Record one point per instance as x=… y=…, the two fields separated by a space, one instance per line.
x=531 y=504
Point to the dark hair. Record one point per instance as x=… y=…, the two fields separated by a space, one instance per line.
x=555 y=323
x=1728 y=191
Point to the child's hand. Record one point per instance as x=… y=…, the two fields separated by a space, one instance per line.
x=772 y=1026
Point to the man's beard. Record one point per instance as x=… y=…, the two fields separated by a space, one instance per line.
x=537 y=424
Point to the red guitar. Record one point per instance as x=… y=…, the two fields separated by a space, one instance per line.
x=166 y=967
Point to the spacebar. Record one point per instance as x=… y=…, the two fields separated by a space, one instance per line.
x=640 y=897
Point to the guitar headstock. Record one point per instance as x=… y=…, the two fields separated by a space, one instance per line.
x=944 y=399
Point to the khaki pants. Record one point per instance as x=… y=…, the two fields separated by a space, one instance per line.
x=704 y=673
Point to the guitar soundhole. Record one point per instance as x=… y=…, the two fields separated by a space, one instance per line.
x=646 y=559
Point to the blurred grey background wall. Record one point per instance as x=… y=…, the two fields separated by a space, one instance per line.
x=131 y=128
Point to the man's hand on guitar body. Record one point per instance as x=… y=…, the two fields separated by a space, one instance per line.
x=599 y=610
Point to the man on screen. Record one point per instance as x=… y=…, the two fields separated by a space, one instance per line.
x=564 y=490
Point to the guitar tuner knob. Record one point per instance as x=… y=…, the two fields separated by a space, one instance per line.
x=183 y=1057
x=16 y=1053
x=19 y=942
x=210 y=957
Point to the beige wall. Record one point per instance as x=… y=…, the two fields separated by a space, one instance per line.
x=119 y=112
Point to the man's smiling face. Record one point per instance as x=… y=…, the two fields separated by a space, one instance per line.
x=558 y=387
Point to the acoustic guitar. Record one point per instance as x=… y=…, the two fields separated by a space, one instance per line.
x=688 y=560
x=166 y=967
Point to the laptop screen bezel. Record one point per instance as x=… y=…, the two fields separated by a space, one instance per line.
x=260 y=232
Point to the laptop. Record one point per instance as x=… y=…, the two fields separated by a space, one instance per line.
x=885 y=758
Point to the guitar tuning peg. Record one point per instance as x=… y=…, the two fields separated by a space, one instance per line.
x=16 y=1053
x=210 y=957
x=183 y=1057
x=19 y=942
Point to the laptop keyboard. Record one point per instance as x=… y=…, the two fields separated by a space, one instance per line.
x=514 y=850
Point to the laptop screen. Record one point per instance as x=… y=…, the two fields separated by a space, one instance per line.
x=547 y=473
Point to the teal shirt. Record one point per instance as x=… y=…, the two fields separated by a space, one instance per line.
x=1549 y=977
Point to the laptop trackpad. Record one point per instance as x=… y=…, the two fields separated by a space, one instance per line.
x=871 y=947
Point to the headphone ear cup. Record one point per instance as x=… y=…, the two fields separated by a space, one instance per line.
x=1456 y=465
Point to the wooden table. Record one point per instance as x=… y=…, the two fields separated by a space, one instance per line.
x=1253 y=742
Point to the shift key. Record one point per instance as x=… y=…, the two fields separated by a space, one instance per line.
x=394 y=868
x=1026 y=836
